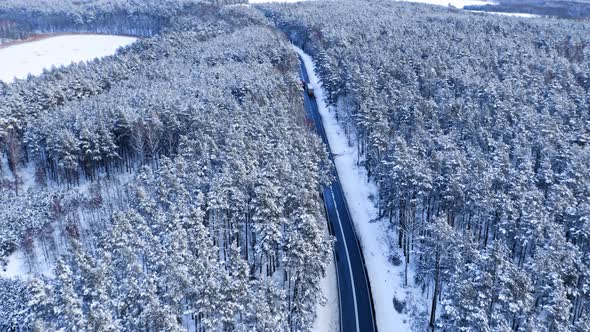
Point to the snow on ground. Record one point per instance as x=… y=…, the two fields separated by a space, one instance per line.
x=22 y=59
x=266 y=1
x=375 y=237
x=26 y=174
x=18 y=266
x=525 y=15
x=327 y=310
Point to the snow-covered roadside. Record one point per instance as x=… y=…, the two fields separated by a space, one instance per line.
x=328 y=308
x=328 y=314
x=22 y=59
x=386 y=280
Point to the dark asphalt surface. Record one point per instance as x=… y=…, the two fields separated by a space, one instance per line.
x=356 y=304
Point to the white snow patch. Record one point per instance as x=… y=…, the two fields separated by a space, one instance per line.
x=327 y=310
x=268 y=1
x=18 y=266
x=188 y=322
x=27 y=176
x=5 y=172
x=15 y=266
x=375 y=236
x=507 y=14
x=20 y=60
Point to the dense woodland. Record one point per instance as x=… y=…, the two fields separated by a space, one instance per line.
x=20 y=18
x=173 y=186
x=477 y=131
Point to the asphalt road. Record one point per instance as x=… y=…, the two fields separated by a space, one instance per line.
x=356 y=304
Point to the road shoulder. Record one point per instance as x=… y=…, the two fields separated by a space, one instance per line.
x=374 y=236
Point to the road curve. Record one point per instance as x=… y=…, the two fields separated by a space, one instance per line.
x=356 y=304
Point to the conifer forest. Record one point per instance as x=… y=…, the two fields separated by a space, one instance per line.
x=177 y=185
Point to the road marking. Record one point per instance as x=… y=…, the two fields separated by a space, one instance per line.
x=358 y=244
x=356 y=310
x=330 y=226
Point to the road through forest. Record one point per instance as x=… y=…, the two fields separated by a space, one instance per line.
x=356 y=306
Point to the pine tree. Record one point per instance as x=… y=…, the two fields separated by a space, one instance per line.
x=68 y=305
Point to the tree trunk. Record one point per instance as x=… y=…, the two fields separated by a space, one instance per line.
x=436 y=290
x=14 y=154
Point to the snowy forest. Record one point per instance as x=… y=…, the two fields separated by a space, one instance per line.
x=476 y=130
x=172 y=186
x=19 y=18
x=175 y=185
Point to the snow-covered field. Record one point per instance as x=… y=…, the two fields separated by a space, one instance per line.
x=507 y=14
x=22 y=59
x=386 y=279
x=266 y=1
